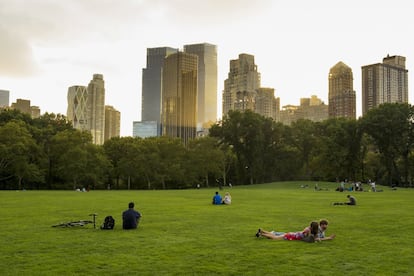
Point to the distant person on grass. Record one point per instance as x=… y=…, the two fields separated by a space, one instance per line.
x=373 y=188
x=130 y=217
x=309 y=234
x=352 y=201
x=217 y=200
x=227 y=199
x=323 y=225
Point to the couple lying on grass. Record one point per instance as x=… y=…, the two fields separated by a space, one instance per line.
x=314 y=232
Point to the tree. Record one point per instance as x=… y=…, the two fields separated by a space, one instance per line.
x=115 y=149
x=55 y=122
x=226 y=162
x=18 y=152
x=254 y=140
x=303 y=138
x=204 y=159
x=69 y=155
x=171 y=156
x=130 y=163
x=338 y=150
x=7 y=115
x=97 y=165
x=391 y=127
x=282 y=159
x=150 y=159
x=44 y=129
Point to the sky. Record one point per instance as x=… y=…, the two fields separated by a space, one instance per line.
x=46 y=46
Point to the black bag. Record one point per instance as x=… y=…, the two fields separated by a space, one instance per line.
x=109 y=223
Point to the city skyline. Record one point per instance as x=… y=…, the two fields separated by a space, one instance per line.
x=294 y=44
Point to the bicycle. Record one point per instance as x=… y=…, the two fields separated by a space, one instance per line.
x=78 y=223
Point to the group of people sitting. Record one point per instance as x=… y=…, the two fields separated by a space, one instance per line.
x=313 y=233
x=218 y=200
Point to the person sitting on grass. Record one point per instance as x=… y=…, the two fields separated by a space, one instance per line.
x=227 y=199
x=309 y=234
x=130 y=217
x=217 y=199
x=352 y=201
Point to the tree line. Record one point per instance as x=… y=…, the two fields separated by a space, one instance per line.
x=242 y=148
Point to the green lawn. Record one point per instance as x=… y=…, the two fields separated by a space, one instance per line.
x=181 y=233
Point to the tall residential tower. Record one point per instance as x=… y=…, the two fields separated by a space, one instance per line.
x=266 y=103
x=385 y=82
x=342 y=98
x=241 y=85
x=96 y=108
x=112 y=122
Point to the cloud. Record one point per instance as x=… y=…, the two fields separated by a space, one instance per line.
x=48 y=21
x=212 y=12
x=27 y=26
x=16 y=57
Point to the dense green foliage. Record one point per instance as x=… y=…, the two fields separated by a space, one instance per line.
x=181 y=233
x=377 y=147
x=243 y=148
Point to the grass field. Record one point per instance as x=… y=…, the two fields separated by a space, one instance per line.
x=181 y=233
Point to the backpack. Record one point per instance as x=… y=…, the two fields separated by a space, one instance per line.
x=109 y=223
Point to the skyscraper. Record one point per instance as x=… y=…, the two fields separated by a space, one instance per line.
x=179 y=96
x=240 y=86
x=385 y=82
x=96 y=108
x=77 y=111
x=112 y=122
x=312 y=108
x=342 y=99
x=25 y=107
x=151 y=83
x=4 y=98
x=35 y=111
x=86 y=108
x=22 y=105
x=207 y=83
x=266 y=103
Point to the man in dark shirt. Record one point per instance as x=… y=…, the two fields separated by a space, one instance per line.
x=130 y=217
x=352 y=201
